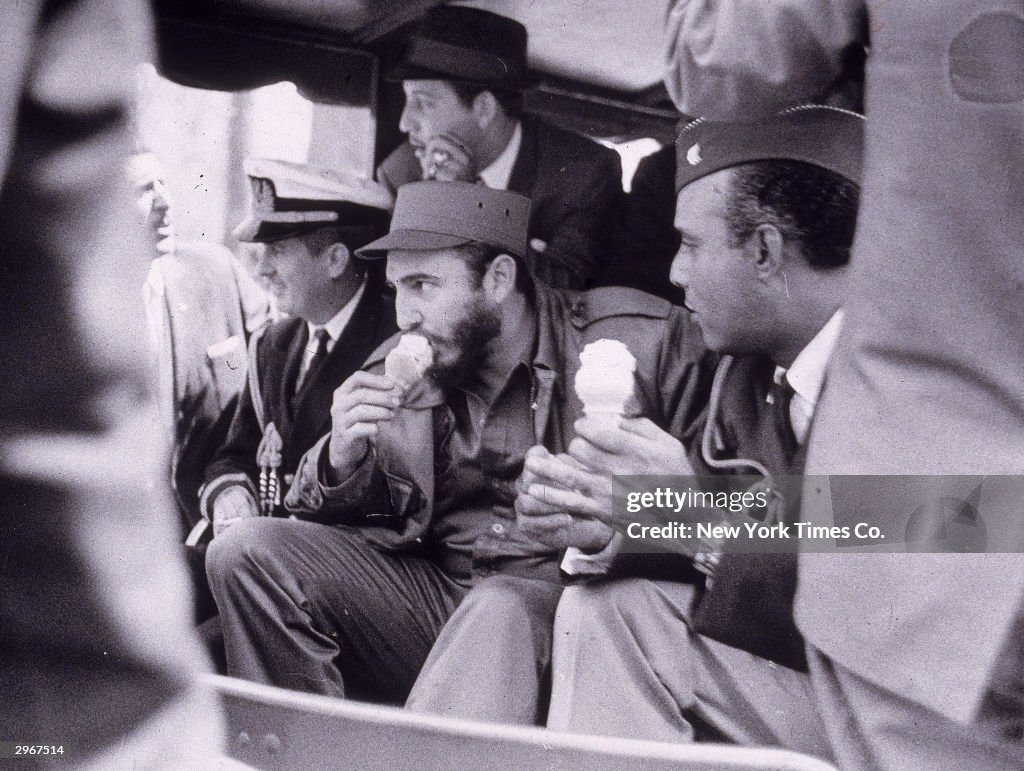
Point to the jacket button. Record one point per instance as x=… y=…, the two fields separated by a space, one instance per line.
x=498 y=528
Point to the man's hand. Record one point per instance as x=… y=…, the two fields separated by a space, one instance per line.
x=447 y=158
x=635 y=446
x=231 y=505
x=360 y=404
x=557 y=502
x=565 y=485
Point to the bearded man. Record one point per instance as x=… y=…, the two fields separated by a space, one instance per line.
x=417 y=484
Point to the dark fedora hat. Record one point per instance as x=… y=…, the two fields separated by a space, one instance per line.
x=467 y=45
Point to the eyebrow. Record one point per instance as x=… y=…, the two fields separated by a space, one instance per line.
x=410 y=277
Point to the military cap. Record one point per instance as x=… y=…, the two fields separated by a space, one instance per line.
x=468 y=45
x=293 y=198
x=439 y=215
x=829 y=137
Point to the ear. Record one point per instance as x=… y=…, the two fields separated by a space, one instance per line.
x=338 y=259
x=485 y=108
x=767 y=243
x=500 y=279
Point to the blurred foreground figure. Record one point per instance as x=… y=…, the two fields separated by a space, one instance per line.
x=95 y=653
x=917 y=660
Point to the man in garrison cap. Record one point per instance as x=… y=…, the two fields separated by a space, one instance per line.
x=419 y=481
x=308 y=223
x=917 y=660
x=766 y=212
x=463 y=75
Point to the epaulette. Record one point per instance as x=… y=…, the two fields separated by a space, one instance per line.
x=610 y=301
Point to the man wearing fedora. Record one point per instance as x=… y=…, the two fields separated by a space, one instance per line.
x=418 y=483
x=463 y=76
x=308 y=223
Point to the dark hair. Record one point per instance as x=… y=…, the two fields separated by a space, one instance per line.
x=318 y=239
x=511 y=101
x=352 y=236
x=478 y=256
x=811 y=206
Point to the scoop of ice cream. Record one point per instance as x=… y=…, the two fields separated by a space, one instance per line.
x=604 y=381
x=408 y=360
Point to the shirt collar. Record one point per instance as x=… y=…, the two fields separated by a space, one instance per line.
x=499 y=173
x=337 y=323
x=806 y=374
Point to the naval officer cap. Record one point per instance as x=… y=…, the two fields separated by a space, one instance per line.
x=289 y=199
x=829 y=137
x=435 y=215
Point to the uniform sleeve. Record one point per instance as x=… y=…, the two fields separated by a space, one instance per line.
x=400 y=167
x=733 y=59
x=368 y=496
x=235 y=462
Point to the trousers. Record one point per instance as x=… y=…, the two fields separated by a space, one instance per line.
x=493 y=659
x=627 y=663
x=319 y=609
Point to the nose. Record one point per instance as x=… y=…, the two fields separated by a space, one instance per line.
x=406 y=122
x=161 y=198
x=407 y=314
x=264 y=264
x=679 y=273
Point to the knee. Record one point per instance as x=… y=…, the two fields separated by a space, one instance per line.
x=586 y=611
x=239 y=548
x=512 y=603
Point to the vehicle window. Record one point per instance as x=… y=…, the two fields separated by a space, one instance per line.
x=201 y=138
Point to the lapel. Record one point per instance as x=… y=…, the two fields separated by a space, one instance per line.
x=524 y=170
x=311 y=406
x=279 y=371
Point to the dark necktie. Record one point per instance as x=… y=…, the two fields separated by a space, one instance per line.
x=318 y=355
x=782 y=397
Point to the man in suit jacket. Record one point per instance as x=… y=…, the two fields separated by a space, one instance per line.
x=766 y=214
x=309 y=222
x=462 y=76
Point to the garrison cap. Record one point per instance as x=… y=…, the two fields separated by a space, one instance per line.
x=293 y=198
x=468 y=45
x=439 y=215
x=829 y=137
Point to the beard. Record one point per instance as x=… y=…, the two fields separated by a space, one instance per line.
x=470 y=338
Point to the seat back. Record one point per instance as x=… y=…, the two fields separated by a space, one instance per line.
x=271 y=728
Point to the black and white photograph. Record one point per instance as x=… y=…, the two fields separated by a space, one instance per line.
x=512 y=384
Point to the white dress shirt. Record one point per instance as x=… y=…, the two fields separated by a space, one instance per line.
x=499 y=173
x=806 y=375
